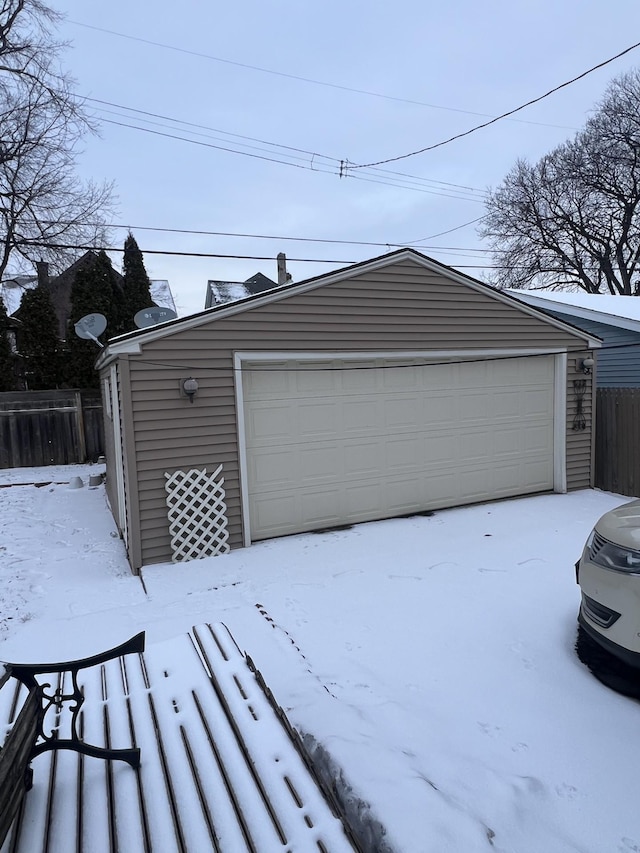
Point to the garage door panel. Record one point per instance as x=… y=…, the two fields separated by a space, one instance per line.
x=312 y=381
x=362 y=379
x=404 y=494
x=440 y=410
x=538 y=472
x=339 y=445
x=360 y=415
x=316 y=419
x=402 y=411
x=506 y=404
x=534 y=439
x=320 y=507
x=506 y=477
x=262 y=381
x=318 y=463
x=268 y=422
x=363 y=499
x=270 y=470
x=440 y=488
x=536 y=402
x=402 y=453
x=362 y=458
x=276 y=513
x=507 y=441
x=478 y=447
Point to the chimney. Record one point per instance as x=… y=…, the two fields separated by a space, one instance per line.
x=283 y=276
x=42 y=268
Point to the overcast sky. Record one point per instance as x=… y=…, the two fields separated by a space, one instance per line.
x=463 y=61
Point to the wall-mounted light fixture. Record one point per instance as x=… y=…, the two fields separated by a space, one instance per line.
x=189 y=387
x=586 y=364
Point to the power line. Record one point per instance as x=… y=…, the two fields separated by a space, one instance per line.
x=402 y=182
x=339 y=369
x=299 y=78
x=307 y=152
x=43 y=245
x=448 y=231
x=282 y=237
x=87 y=248
x=310 y=167
x=351 y=166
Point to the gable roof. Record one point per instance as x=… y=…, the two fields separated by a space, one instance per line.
x=131 y=342
x=222 y=292
x=620 y=311
x=161 y=293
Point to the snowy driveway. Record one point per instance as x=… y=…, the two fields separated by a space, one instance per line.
x=432 y=656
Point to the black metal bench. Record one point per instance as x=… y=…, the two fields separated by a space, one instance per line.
x=222 y=771
x=36 y=728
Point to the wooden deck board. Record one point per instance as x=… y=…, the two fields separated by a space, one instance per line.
x=219 y=770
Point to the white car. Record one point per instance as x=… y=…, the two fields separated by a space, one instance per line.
x=609 y=576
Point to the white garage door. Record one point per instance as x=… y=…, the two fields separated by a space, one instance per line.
x=343 y=442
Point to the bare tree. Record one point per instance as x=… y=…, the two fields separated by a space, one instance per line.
x=43 y=203
x=573 y=218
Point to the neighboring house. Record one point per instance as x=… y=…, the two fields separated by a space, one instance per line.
x=12 y=289
x=222 y=292
x=387 y=388
x=615 y=319
x=161 y=293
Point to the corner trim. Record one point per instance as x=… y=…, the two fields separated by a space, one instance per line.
x=560 y=387
x=242 y=449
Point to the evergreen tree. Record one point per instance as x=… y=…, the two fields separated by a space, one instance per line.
x=93 y=292
x=7 y=382
x=38 y=341
x=136 y=289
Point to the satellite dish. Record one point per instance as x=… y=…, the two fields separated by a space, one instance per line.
x=90 y=326
x=152 y=316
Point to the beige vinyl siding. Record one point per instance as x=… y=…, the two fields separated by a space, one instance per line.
x=403 y=307
x=579 y=442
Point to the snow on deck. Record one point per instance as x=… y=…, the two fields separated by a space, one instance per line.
x=218 y=769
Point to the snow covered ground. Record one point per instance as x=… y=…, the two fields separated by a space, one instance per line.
x=431 y=656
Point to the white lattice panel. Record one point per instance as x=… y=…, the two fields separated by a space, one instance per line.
x=197 y=514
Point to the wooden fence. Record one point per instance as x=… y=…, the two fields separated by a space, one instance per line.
x=618 y=440
x=50 y=428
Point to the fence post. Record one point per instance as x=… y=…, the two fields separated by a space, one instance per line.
x=82 y=444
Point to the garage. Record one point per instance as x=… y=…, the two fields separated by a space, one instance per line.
x=335 y=441
x=390 y=387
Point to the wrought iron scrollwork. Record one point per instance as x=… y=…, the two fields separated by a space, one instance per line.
x=55 y=700
x=579 y=420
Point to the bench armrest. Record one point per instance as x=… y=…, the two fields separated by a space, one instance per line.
x=25 y=671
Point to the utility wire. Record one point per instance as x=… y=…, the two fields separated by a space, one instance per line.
x=312 y=154
x=298 y=77
x=200 y=233
x=351 y=166
x=449 y=231
x=87 y=248
x=309 y=167
x=43 y=245
x=403 y=365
